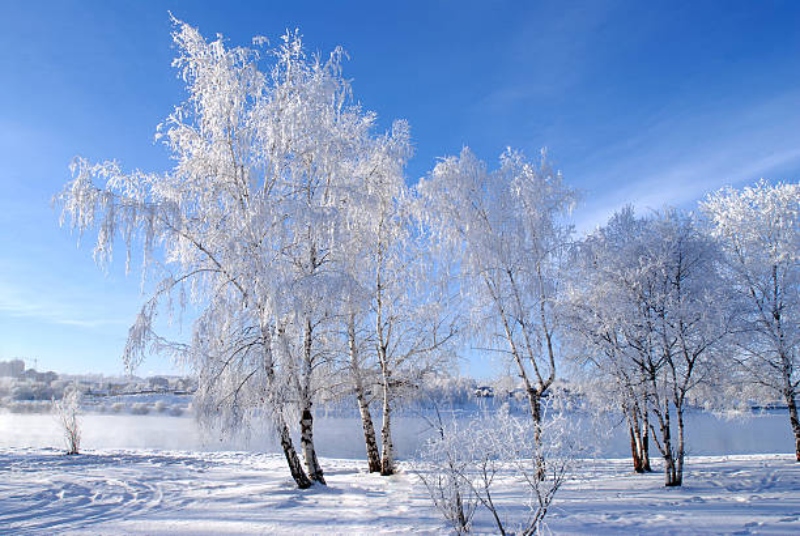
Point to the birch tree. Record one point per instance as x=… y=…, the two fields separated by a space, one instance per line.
x=414 y=324
x=599 y=319
x=404 y=323
x=660 y=320
x=759 y=229
x=506 y=230
x=246 y=227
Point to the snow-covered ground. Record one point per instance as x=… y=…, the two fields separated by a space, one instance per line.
x=151 y=492
x=156 y=474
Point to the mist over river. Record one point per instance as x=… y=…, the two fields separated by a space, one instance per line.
x=763 y=432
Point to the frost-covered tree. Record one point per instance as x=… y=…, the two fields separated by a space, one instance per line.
x=466 y=466
x=248 y=227
x=505 y=230
x=599 y=319
x=399 y=319
x=414 y=325
x=68 y=411
x=759 y=229
x=446 y=471
x=657 y=318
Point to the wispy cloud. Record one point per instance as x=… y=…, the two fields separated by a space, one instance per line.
x=550 y=53
x=682 y=158
x=39 y=294
x=55 y=309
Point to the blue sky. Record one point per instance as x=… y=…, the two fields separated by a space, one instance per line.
x=649 y=103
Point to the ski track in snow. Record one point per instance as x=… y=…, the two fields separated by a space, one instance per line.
x=168 y=492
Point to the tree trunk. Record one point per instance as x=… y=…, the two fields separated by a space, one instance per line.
x=535 y=400
x=638 y=463
x=791 y=402
x=307 y=443
x=306 y=416
x=670 y=470
x=370 y=440
x=639 y=437
x=670 y=476
x=292 y=459
x=634 y=433
x=387 y=452
x=681 y=449
x=646 y=444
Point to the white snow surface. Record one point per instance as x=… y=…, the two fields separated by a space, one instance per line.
x=140 y=491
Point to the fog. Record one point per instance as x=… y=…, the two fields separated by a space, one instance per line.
x=341 y=437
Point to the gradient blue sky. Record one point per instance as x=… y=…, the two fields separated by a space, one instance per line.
x=643 y=102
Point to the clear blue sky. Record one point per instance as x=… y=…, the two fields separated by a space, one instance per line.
x=644 y=102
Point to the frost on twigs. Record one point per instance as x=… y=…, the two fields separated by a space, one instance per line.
x=445 y=474
x=68 y=414
x=490 y=459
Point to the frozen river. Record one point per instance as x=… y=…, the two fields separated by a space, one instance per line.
x=340 y=437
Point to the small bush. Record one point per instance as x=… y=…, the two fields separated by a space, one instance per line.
x=68 y=411
x=460 y=467
x=140 y=408
x=29 y=406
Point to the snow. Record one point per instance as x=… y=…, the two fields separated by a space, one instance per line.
x=745 y=494
x=175 y=492
x=140 y=491
x=154 y=474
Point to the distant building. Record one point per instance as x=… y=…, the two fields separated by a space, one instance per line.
x=42 y=377
x=12 y=369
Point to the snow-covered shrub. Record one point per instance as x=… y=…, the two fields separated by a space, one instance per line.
x=140 y=408
x=29 y=406
x=68 y=411
x=22 y=392
x=445 y=474
x=464 y=466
